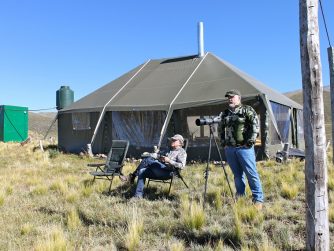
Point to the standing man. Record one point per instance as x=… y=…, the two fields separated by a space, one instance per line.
x=239 y=129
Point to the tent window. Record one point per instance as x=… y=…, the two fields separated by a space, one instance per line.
x=142 y=128
x=282 y=117
x=81 y=121
x=274 y=137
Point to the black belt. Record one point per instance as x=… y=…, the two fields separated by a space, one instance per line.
x=237 y=145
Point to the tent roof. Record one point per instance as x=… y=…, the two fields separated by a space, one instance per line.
x=177 y=82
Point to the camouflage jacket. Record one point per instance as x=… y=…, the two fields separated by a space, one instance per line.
x=240 y=127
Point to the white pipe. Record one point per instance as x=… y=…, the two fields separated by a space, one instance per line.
x=105 y=106
x=170 y=110
x=200 y=39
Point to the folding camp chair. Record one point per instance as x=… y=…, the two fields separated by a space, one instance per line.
x=289 y=153
x=114 y=164
x=175 y=173
x=283 y=155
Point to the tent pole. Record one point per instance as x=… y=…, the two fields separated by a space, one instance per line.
x=264 y=130
x=170 y=110
x=293 y=127
x=89 y=146
x=164 y=127
x=53 y=121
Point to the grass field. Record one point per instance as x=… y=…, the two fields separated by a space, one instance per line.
x=48 y=202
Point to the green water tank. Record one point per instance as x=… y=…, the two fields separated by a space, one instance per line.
x=64 y=97
x=13 y=123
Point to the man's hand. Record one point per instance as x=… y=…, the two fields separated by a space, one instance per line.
x=165 y=159
x=250 y=143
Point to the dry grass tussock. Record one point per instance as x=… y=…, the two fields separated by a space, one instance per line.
x=48 y=202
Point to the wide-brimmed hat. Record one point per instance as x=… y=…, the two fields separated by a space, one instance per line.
x=232 y=93
x=178 y=137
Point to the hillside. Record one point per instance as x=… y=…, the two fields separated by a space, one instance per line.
x=40 y=122
x=297 y=96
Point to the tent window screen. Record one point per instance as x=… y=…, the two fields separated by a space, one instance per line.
x=300 y=128
x=142 y=128
x=274 y=137
x=200 y=132
x=81 y=121
x=282 y=117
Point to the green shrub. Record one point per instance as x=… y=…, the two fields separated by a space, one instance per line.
x=59 y=186
x=330 y=183
x=55 y=241
x=53 y=153
x=73 y=220
x=192 y=215
x=289 y=191
x=237 y=230
x=9 y=190
x=215 y=198
x=2 y=198
x=26 y=229
x=135 y=229
x=40 y=190
x=331 y=213
x=177 y=246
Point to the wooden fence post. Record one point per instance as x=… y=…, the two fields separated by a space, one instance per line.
x=317 y=236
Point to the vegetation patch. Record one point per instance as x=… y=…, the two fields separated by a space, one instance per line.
x=192 y=214
x=50 y=202
x=55 y=240
x=135 y=228
x=289 y=191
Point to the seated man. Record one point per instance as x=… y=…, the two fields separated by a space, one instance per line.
x=160 y=165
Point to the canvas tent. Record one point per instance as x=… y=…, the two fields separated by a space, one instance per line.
x=162 y=97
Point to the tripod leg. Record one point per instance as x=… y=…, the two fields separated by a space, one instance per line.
x=206 y=173
x=221 y=160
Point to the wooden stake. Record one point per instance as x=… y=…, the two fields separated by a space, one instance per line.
x=317 y=236
x=41 y=145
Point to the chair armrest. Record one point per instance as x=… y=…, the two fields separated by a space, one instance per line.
x=96 y=164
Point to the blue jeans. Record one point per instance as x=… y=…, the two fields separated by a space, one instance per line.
x=150 y=168
x=242 y=161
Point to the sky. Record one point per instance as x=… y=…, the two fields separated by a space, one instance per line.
x=86 y=44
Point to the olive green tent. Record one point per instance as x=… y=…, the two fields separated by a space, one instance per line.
x=166 y=96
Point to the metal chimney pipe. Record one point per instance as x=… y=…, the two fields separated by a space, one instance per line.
x=200 y=39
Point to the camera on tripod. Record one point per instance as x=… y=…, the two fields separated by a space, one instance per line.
x=209 y=121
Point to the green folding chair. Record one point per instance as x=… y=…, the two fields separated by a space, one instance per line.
x=114 y=164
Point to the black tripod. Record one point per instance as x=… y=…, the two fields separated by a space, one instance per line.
x=206 y=172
